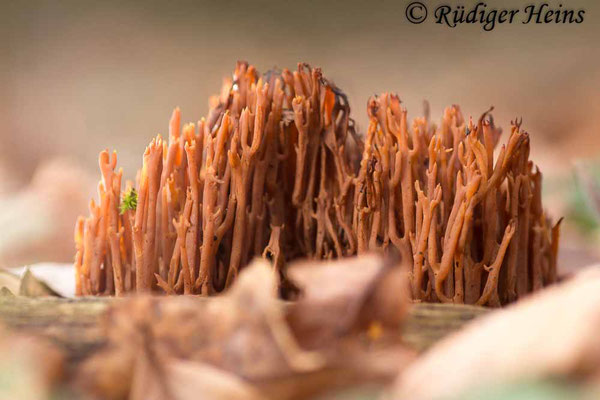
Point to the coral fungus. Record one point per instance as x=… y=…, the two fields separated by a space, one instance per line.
x=277 y=170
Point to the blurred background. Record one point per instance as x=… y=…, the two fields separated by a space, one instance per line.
x=77 y=77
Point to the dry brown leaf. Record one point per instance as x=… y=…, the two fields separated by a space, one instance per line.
x=244 y=333
x=550 y=334
x=339 y=297
x=31 y=286
x=108 y=374
x=27 y=284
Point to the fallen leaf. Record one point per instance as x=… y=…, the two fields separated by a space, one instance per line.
x=245 y=334
x=553 y=333
x=31 y=286
x=341 y=296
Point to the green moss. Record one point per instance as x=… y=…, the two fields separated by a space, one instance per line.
x=129 y=201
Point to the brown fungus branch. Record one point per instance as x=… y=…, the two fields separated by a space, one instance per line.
x=277 y=170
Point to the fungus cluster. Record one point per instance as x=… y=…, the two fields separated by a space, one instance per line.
x=277 y=170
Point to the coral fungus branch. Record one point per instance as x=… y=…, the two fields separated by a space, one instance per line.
x=277 y=170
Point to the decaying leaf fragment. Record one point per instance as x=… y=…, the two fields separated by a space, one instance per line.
x=250 y=336
x=33 y=287
x=341 y=298
x=552 y=334
x=25 y=284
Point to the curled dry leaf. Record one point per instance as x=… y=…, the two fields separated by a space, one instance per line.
x=246 y=333
x=341 y=297
x=31 y=286
x=26 y=283
x=550 y=334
